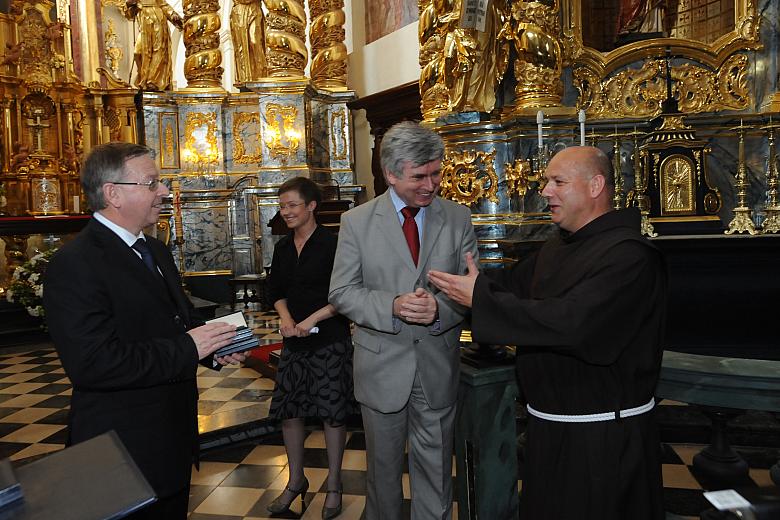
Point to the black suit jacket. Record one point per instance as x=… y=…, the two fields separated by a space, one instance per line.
x=120 y=332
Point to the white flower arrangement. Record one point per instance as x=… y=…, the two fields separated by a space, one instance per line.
x=26 y=286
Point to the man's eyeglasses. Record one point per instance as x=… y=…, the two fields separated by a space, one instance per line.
x=151 y=185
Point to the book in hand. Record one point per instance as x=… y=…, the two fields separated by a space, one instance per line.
x=243 y=340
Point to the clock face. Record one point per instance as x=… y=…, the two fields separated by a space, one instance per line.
x=677 y=186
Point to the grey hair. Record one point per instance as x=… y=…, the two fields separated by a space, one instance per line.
x=106 y=163
x=408 y=143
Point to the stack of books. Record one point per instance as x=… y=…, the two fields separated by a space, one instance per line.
x=244 y=340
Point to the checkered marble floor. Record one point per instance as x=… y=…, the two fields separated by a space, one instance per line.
x=238 y=481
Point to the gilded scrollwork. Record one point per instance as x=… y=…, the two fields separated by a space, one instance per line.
x=200 y=137
x=242 y=120
x=35 y=56
x=717 y=59
x=468 y=176
x=286 y=38
x=640 y=92
x=520 y=177
x=329 y=54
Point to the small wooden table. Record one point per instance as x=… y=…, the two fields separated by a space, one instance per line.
x=253 y=286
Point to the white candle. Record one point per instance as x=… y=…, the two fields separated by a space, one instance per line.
x=581 y=118
x=539 y=121
x=76 y=207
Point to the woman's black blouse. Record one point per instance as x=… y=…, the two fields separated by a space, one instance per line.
x=304 y=282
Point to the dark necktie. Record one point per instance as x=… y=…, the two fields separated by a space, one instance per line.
x=146 y=255
x=410 y=231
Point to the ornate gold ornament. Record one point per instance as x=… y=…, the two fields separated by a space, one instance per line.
x=533 y=29
x=640 y=92
x=114 y=51
x=678 y=187
x=329 y=54
x=285 y=38
x=200 y=140
x=282 y=138
x=714 y=68
x=35 y=53
x=201 y=41
x=520 y=177
x=242 y=120
x=468 y=176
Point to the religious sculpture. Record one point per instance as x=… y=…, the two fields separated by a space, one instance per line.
x=153 y=48
x=462 y=67
x=247 y=28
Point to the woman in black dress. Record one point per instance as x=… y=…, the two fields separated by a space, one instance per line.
x=314 y=378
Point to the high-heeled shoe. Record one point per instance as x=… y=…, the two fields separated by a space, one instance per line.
x=279 y=506
x=332 y=512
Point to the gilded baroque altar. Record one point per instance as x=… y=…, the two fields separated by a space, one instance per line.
x=546 y=66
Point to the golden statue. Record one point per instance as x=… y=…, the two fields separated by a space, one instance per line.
x=153 y=48
x=461 y=67
x=247 y=28
x=475 y=62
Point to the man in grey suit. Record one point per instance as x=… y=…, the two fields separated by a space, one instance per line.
x=407 y=333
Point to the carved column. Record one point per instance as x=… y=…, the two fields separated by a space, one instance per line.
x=286 y=38
x=329 y=61
x=538 y=67
x=201 y=41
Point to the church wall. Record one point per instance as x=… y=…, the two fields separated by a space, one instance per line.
x=381 y=65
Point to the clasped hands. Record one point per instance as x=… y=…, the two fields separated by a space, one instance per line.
x=288 y=328
x=418 y=307
x=459 y=288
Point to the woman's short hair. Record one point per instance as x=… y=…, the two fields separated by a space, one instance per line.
x=306 y=188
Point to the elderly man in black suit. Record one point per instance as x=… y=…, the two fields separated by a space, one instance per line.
x=125 y=331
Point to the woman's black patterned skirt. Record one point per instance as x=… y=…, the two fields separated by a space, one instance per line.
x=315 y=383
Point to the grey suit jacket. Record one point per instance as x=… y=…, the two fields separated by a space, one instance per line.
x=373 y=266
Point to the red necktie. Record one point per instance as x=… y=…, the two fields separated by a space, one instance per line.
x=410 y=231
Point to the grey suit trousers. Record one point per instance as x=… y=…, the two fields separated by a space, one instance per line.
x=430 y=433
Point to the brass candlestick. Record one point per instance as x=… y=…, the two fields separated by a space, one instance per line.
x=772 y=205
x=640 y=199
x=742 y=221
x=617 y=198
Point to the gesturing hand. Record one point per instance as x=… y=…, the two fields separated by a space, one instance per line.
x=458 y=288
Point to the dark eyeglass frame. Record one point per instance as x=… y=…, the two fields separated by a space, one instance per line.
x=150 y=185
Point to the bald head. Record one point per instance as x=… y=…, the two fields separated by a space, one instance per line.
x=579 y=186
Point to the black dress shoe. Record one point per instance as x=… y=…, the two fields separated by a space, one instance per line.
x=279 y=506
x=332 y=512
